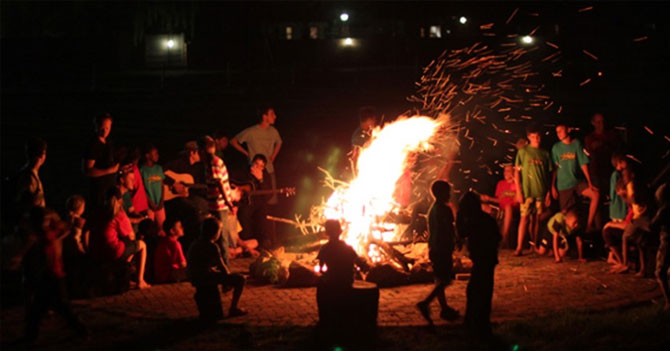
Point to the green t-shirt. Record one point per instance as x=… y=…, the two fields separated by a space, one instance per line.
x=568 y=159
x=153 y=182
x=618 y=209
x=535 y=169
x=261 y=141
x=557 y=224
x=127 y=201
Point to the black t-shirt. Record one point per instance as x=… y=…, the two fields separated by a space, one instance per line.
x=103 y=155
x=182 y=165
x=483 y=240
x=202 y=257
x=246 y=178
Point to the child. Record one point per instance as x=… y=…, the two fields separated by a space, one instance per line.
x=76 y=205
x=440 y=250
x=169 y=260
x=531 y=175
x=337 y=259
x=75 y=245
x=127 y=186
x=45 y=274
x=481 y=232
x=561 y=224
x=206 y=266
x=152 y=177
x=506 y=197
x=334 y=295
x=638 y=230
x=661 y=224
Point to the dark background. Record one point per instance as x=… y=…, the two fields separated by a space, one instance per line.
x=63 y=63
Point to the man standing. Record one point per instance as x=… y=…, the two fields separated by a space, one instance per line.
x=568 y=156
x=262 y=139
x=368 y=120
x=29 y=190
x=99 y=163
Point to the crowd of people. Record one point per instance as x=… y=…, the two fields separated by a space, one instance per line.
x=131 y=228
x=139 y=215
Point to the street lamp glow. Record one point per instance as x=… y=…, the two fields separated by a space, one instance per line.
x=170 y=43
x=527 y=39
x=463 y=20
x=348 y=42
x=344 y=17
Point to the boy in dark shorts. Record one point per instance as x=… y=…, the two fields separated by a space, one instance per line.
x=206 y=266
x=560 y=226
x=569 y=158
x=440 y=250
x=531 y=175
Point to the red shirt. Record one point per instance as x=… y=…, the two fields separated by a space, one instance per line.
x=53 y=250
x=506 y=193
x=140 y=197
x=168 y=257
x=105 y=238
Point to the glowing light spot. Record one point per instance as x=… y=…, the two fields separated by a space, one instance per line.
x=527 y=39
x=463 y=20
x=348 y=42
x=344 y=17
x=170 y=43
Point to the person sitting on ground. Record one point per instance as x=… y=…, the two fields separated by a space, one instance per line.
x=238 y=246
x=483 y=238
x=206 y=266
x=127 y=186
x=661 y=224
x=441 y=242
x=112 y=237
x=561 y=225
x=169 y=260
x=506 y=197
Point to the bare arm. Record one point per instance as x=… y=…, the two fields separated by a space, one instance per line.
x=517 y=182
x=274 y=155
x=91 y=171
x=585 y=170
x=236 y=144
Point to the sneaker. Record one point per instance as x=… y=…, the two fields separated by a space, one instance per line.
x=236 y=312
x=425 y=311
x=449 y=314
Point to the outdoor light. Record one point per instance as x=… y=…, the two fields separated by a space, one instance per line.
x=170 y=43
x=527 y=39
x=344 y=17
x=348 y=42
x=463 y=20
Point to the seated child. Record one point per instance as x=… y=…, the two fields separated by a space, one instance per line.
x=506 y=197
x=564 y=225
x=169 y=260
x=337 y=259
x=239 y=246
x=206 y=265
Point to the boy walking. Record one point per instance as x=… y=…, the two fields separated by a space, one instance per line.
x=531 y=175
x=440 y=250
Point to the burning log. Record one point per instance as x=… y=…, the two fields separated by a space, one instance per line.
x=394 y=254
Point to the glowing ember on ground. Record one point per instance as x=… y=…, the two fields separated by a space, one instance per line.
x=364 y=204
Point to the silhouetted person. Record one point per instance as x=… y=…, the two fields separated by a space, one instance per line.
x=440 y=250
x=207 y=268
x=661 y=223
x=336 y=262
x=483 y=237
x=99 y=163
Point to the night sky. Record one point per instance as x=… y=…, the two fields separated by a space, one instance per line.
x=63 y=63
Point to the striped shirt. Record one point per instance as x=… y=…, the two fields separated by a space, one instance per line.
x=216 y=175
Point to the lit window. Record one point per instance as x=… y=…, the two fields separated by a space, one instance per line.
x=289 y=33
x=435 y=32
x=314 y=32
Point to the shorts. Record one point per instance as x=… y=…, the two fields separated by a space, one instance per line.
x=527 y=207
x=612 y=237
x=132 y=247
x=442 y=269
x=568 y=197
x=635 y=231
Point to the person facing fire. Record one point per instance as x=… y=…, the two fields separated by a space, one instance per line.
x=440 y=250
x=368 y=120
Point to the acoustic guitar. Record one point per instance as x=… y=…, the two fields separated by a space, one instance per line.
x=247 y=192
x=184 y=179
